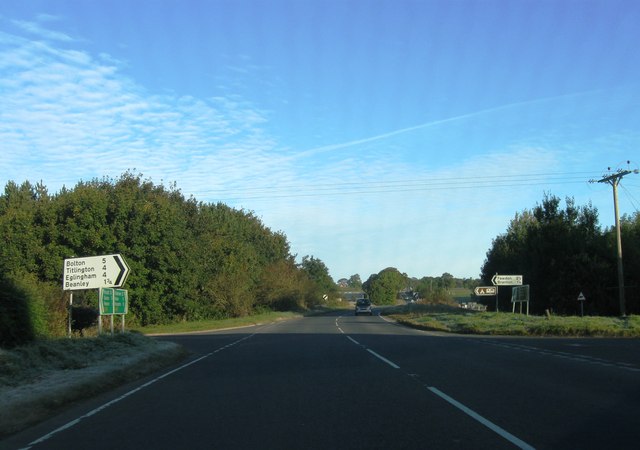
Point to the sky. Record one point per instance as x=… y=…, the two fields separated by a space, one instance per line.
x=373 y=134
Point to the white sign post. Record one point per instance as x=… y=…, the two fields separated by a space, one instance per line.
x=94 y=272
x=505 y=280
x=581 y=299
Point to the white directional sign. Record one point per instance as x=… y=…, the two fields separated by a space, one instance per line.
x=93 y=272
x=507 y=280
x=485 y=290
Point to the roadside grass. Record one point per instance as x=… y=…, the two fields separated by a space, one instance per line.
x=455 y=320
x=39 y=379
x=212 y=325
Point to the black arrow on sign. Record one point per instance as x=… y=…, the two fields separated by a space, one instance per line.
x=124 y=270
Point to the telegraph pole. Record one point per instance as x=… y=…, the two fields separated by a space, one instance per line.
x=614 y=180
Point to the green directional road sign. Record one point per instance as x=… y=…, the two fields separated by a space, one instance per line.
x=113 y=301
x=106 y=301
x=120 y=301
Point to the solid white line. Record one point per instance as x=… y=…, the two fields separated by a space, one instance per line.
x=127 y=394
x=382 y=358
x=487 y=423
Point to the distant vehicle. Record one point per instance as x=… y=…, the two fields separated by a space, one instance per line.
x=363 y=306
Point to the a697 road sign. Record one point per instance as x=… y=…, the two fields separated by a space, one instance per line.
x=485 y=290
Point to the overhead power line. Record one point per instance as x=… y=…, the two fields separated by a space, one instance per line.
x=399 y=186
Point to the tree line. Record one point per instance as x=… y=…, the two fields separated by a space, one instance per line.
x=562 y=252
x=189 y=260
x=388 y=285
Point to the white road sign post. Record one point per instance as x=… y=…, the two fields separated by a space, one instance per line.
x=506 y=280
x=581 y=299
x=94 y=272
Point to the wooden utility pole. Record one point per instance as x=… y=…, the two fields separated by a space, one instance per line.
x=614 y=180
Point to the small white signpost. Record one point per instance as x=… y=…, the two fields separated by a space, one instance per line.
x=581 y=299
x=505 y=280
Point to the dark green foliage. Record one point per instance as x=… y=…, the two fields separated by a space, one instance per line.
x=29 y=309
x=16 y=325
x=355 y=281
x=630 y=230
x=188 y=260
x=560 y=253
x=83 y=317
x=383 y=287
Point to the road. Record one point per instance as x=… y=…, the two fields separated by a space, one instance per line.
x=344 y=382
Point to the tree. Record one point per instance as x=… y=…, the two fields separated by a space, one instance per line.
x=630 y=231
x=355 y=281
x=383 y=287
x=559 y=252
x=318 y=273
x=188 y=260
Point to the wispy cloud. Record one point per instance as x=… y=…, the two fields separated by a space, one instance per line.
x=38 y=30
x=79 y=117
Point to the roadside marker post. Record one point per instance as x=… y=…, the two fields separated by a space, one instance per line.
x=581 y=299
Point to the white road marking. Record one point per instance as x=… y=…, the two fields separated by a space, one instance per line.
x=127 y=394
x=559 y=354
x=382 y=358
x=353 y=340
x=487 y=423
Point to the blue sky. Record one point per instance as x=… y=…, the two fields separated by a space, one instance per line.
x=374 y=134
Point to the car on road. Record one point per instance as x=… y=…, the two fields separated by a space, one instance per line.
x=363 y=306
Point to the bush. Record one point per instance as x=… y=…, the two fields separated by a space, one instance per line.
x=16 y=322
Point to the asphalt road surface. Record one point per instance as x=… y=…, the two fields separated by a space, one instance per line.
x=344 y=382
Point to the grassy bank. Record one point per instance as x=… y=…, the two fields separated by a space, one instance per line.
x=38 y=379
x=212 y=325
x=455 y=320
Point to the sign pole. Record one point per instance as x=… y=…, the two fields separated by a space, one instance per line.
x=100 y=294
x=70 y=311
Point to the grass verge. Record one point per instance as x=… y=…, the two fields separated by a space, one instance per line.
x=40 y=379
x=212 y=325
x=455 y=320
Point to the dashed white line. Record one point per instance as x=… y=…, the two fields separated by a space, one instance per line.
x=487 y=423
x=382 y=358
x=353 y=340
x=568 y=356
